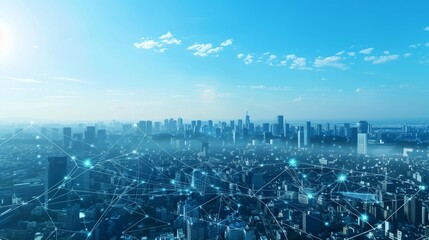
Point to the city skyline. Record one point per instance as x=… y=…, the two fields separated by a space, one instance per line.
x=106 y=60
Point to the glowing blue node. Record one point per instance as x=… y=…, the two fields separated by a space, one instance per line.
x=342 y=178
x=364 y=217
x=173 y=182
x=422 y=187
x=310 y=196
x=39 y=156
x=87 y=163
x=326 y=223
x=293 y=162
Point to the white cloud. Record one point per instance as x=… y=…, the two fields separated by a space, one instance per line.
x=427 y=44
x=169 y=39
x=351 y=54
x=166 y=36
x=381 y=59
x=205 y=49
x=386 y=52
x=240 y=55
x=427 y=28
x=158 y=46
x=200 y=49
x=226 y=43
x=358 y=90
x=415 y=45
x=268 y=88
x=366 y=51
x=270 y=59
x=147 y=44
x=299 y=63
x=283 y=63
x=407 y=54
x=248 y=59
x=332 y=61
x=340 y=53
x=291 y=57
x=23 y=80
x=298 y=99
x=68 y=79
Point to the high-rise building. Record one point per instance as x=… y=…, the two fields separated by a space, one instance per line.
x=57 y=171
x=311 y=222
x=195 y=229
x=300 y=137
x=362 y=143
x=307 y=134
x=90 y=135
x=363 y=127
x=67 y=137
x=280 y=125
x=247 y=120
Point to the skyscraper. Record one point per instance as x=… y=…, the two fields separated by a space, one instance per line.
x=363 y=127
x=67 y=137
x=247 y=120
x=362 y=143
x=57 y=171
x=307 y=134
x=90 y=135
x=280 y=125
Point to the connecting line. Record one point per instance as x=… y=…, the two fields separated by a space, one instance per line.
x=13 y=136
x=405 y=202
x=254 y=194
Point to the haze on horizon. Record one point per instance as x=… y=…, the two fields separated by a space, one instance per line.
x=100 y=60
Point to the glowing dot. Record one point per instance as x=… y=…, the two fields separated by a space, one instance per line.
x=310 y=196
x=37 y=137
x=73 y=158
x=134 y=152
x=89 y=234
x=293 y=162
x=261 y=165
x=39 y=156
x=304 y=176
x=163 y=189
x=342 y=178
x=173 y=182
x=364 y=217
x=422 y=187
x=379 y=226
x=326 y=223
x=134 y=125
x=87 y=163
x=92 y=145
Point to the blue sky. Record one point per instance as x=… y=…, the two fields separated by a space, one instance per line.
x=102 y=60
